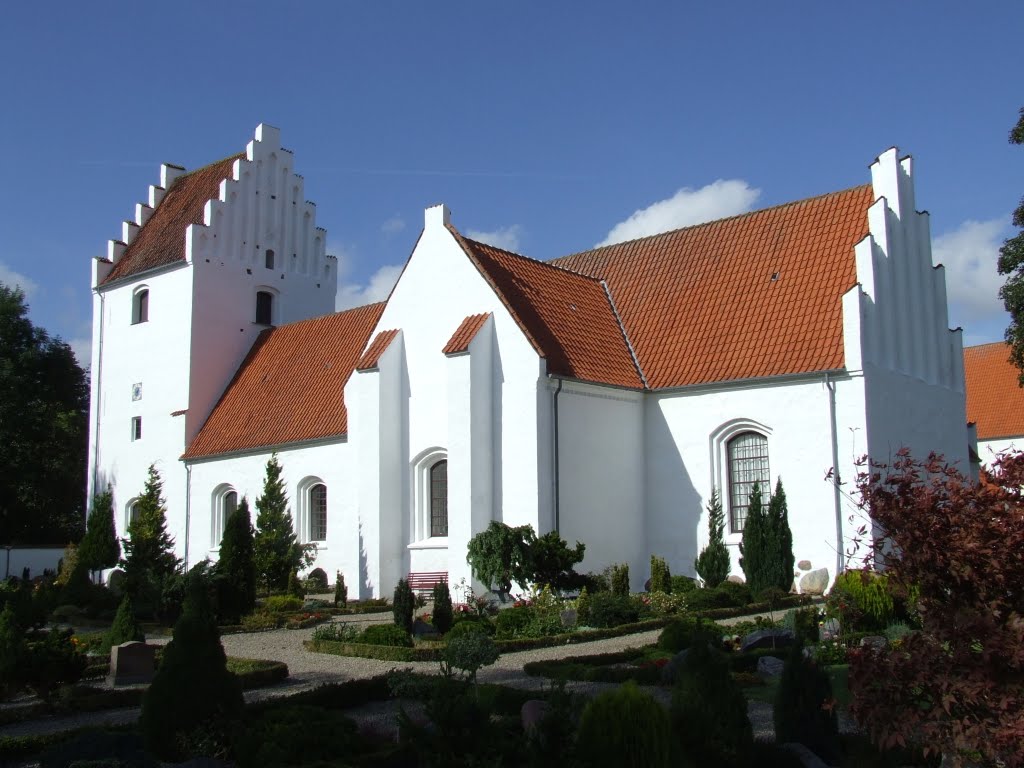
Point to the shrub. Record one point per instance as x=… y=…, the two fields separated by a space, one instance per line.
x=609 y=609
x=620 y=579
x=149 y=559
x=683 y=584
x=390 y=635
x=237 y=566
x=583 y=607
x=403 y=605
x=467 y=626
x=680 y=634
x=338 y=632
x=52 y=661
x=500 y=555
x=512 y=622
x=661 y=577
x=708 y=599
x=767 y=545
x=316 y=581
x=193 y=704
x=282 y=604
x=624 y=727
x=709 y=713
x=803 y=706
x=551 y=562
x=443 y=612
x=804 y=623
x=100 y=548
x=713 y=563
x=862 y=601
x=296 y=734
x=739 y=594
x=340 y=591
x=12 y=653
x=125 y=628
x=596 y=582
x=469 y=653
x=295 y=588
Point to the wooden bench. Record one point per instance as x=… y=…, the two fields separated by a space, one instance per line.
x=426 y=581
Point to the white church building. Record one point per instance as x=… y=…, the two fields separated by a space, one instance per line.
x=603 y=394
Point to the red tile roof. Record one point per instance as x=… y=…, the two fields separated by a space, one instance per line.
x=568 y=317
x=161 y=240
x=290 y=386
x=371 y=357
x=751 y=296
x=995 y=400
x=464 y=334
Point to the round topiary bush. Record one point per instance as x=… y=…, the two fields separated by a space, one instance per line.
x=708 y=600
x=678 y=635
x=386 y=634
x=625 y=727
x=739 y=594
x=512 y=622
x=316 y=581
x=608 y=609
x=469 y=625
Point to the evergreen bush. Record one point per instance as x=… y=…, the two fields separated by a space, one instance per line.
x=625 y=727
x=512 y=622
x=583 y=607
x=608 y=609
x=237 y=566
x=340 y=591
x=739 y=594
x=100 y=548
x=661 y=576
x=680 y=634
x=755 y=545
x=295 y=586
x=803 y=706
x=278 y=553
x=443 y=610
x=781 y=561
x=51 y=662
x=468 y=627
x=683 y=584
x=713 y=563
x=403 y=605
x=551 y=562
x=469 y=653
x=12 y=653
x=149 y=560
x=862 y=601
x=125 y=628
x=316 y=581
x=390 y=635
x=620 y=579
x=194 y=704
x=500 y=556
x=282 y=604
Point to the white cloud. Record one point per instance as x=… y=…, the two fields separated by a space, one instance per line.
x=11 y=278
x=393 y=226
x=506 y=238
x=970 y=253
x=82 y=347
x=722 y=198
x=376 y=289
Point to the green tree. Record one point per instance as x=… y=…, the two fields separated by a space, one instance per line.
x=1011 y=264
x=100 y=548
x=755 y=545
x=277 y=550
x=501 y=555
x=713 y=562
x=44 y=405
x=552 y=560
x=236 y=566
x=780 y=563
x=149 y=560
x=125 y=628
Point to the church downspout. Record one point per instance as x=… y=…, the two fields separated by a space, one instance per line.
x=837 y=501
x=99 y=408
x=188 y=507
x=554 y=455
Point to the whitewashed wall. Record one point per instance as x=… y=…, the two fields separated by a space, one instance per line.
x=988 y=450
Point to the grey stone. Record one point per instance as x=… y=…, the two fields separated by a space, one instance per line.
x=670 y=670
x=768 y=638
x=532 y=714
x=804 y=565
x=808 y=758
x=568 y=617
x=132 y=663
x=115 y=582
x=873 y=641
x=736 y=579
x=830 y=629
x=769 y=667
x=814 y=582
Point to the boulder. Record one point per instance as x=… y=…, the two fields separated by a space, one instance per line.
x=736 y=579
x=873 y=641
x=132 y=663
x=804 y=565
x=768 y=638
x=532 y=714
x=769 y=667
x=814 y=582
x=670 y=670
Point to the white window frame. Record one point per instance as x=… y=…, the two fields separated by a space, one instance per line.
x=136 y=428
x=719 y=450
x=219 y=512
x=129 y=508
x=304 y=510
x=137 y=294
x=419 y=523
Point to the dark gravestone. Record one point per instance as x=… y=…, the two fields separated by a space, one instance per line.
x=132 y=664
x=768 y=638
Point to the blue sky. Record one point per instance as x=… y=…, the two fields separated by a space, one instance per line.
x=544 y=126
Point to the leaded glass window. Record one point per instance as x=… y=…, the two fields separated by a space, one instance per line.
x=439 y=499
x=318 y=512
x=748 y=466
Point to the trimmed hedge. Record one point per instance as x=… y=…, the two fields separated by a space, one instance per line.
x=380 y=652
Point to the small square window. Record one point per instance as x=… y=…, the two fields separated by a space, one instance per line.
x=136 y=428
x=269 y=258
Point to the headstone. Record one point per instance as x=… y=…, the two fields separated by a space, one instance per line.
x=873 y=641
x=814 y=582
x=568 y=617
x=805 y=756
x=736 y=579
x=115 y=582
x=829 y=629
x=132 y=663
x=768 y=638
x=420 y=627
x=671 y=670
x=532 y=713
x=804 y=565
x=769 y=667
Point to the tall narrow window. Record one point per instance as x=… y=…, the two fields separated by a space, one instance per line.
x=748 y=466
x=264 y=307
x=439 y=499
x=133 y=511
x=318 y=512
x=224 y=504
x=269 y=258
x=140 y=307
x=136 y=428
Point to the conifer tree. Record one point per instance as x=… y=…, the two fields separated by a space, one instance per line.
x=149 y=559
x=100 y=548
x=236 y=566
x=755 y=546
x=277 y=550
x=125 y=628
x=713 y=563
x=779 y=571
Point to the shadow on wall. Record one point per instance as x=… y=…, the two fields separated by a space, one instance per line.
x=497 y=416
x=365 y=587
x=674 y=506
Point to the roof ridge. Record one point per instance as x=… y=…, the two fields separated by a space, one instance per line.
x=789 y=204
x=532 y=260
x=625 y=336
x=236 y=156
x=988 y=344
x=329 y=314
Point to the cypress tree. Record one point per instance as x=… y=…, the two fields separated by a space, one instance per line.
x=754 y=547
x=277 y=551
x=713 y=563
x=236 y=566
x=340 y=591
x=780 y=557
x=149 y=559
x=100 y=548
x=125 y=628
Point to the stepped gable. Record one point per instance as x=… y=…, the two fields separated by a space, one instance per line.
x=567 y=317
x=995 y=400
x=746 y=297
x=161 y=240
x=290 y=387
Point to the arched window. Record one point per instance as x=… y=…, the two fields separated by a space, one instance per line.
x=224 y=502
x=748 y=466
x=140 y=306
x=269 y=256
x=264 y=308
x=439 y=499
x=318 y=512
x=131 y=512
